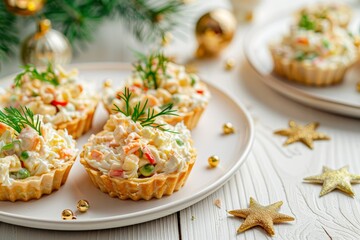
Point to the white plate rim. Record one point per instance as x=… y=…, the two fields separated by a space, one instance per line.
x=291 y=91
x=150 y=214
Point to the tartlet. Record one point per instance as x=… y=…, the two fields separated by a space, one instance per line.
x=34 y=160
x=161 y=82
x=314 y=52
x=56 y=95
x=132 y=160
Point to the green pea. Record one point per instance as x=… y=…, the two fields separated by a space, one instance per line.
x=147 y=170
x=23 y=173
x=179 y=142
x=24 y=155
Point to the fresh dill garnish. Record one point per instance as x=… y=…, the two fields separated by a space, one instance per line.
x=145 y=116
x=18 y=119
x=46 y=76
x=306 y=23
x=150 y=68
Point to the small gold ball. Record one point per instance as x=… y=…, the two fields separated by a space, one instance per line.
x=228 y=128
x=107 y=83
x=67 y=214
x=229 y=64
x=83 y=205
x=213 y=161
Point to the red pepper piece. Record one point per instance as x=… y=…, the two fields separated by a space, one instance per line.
x=59 y=103
x=149 y=155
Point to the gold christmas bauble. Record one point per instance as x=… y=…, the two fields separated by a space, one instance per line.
x=214 y=32
x=24 y=7
x=46 y=45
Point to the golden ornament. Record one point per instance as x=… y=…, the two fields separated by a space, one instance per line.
x=305 y=134
x=263 y=216
x=24 y=7
x=228 y=128
x=229 y=64
x=213 y=161
x=46 y=45
x=67 y=214
x=214 y=32
x=335 y=179
x=83 y=205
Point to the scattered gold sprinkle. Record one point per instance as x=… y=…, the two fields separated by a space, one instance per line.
x=217 y=203
x=213 y=161
x=228 y=128
x=83 y=205
x=67 y=214
x=229 y=64
x=107 y=83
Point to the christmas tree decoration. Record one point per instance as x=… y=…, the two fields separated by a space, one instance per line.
x=305 y=134
x=335 y=179
x=148 y=21
x=46 y=45
x=263 y=216
x=24 y=7
x=214 y=32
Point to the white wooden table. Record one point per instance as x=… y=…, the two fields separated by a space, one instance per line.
x=271 y=173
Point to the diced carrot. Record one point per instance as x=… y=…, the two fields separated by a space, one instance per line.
x=97 y=155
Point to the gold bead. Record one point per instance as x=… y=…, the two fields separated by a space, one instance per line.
x=213 y=161
x=229 y=64
x=83 y=205
x=107 y=83
x=228 y=128
x=67 y=214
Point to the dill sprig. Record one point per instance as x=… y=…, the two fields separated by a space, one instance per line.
x=150 y=68
x=18 y=119
x=46 y=76
x=145 y=116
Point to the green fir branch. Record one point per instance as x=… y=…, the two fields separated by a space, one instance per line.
x=9 y=39
x=18 y=119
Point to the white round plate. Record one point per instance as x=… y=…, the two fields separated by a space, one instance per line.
x=341 y=99
x=107 y=212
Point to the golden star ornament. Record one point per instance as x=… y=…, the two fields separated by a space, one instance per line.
x=335 y=179
x=263 y=216
x=305 y=134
